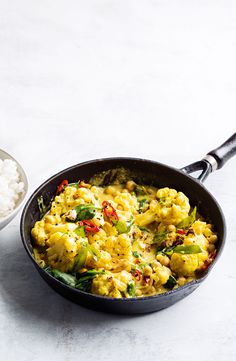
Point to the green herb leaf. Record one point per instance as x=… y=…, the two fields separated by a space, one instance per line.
x=141 y=204
x=75 y=185
x=159 y=237
x=42 y=207
x=122 y=226
x=80 y=259
x=171 y=282
x=140 y=190
x=131 y=289
x=166 y=251
x=142 y=265
x=136 y=254
x=94 y=252
x=85 y=279
x=85 y=211
x=66 y=278
x=144 y=229
x=188 y=221
x=192 y=249
x=80 y=231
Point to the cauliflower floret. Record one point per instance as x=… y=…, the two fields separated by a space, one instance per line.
x=127 y=201
x=124 y=215
x=58 y=205
x=61 y=251
x=98 y=238
x=102 y=284
x=166 y=193
x=102 y=261
x=184 y=265
x=121 y=280
x=97 y=191
x=111 y=284
x=68 y=195
x=39 y=234
x=61 y=227
x=173 y=206
x=85 y=194
x=145 y=218
x=110 y=229
x=70 y=198
x=200 y=227
x=161 y=273
x=187 y=264
x=119 y=247
x=171 y=209
x=49 y=218
x=198 y=239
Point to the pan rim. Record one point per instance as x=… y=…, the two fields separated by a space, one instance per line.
x=113 y=299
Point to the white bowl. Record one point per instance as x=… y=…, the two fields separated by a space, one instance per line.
x=5 y=220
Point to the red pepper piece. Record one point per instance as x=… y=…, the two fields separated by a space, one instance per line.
x=109 y=211
x=62 y=185
x=136 y=274
x=210 y=259
x=180 y=231
x=89 y=226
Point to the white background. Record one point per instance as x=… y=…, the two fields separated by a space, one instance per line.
x=87 y=79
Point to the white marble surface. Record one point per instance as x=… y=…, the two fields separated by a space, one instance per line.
x=87 y=79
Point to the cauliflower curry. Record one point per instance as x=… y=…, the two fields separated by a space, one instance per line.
x=122 y=240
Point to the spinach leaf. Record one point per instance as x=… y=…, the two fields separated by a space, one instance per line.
x=80 y=259
x=66 y=278
x=85 y=279
x=85 y=211
x=131 y=289
x=136 y=254
x=191 y=249
x=171 y=282
x=188 y=221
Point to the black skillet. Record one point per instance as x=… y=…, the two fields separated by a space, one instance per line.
x=148 y=172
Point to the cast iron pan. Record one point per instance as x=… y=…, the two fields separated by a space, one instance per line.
x=148 y=172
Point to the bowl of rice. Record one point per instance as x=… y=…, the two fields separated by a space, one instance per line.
x=13 y=187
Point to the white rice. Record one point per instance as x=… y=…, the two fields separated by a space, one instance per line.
x=11 y=188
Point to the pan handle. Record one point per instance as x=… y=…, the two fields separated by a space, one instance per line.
x=214 y=160
x=224 y=152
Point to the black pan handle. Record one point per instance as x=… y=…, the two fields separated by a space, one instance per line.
x=214 y=160
x=225 y=151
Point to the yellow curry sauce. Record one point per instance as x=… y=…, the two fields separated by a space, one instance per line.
x=124 y=240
